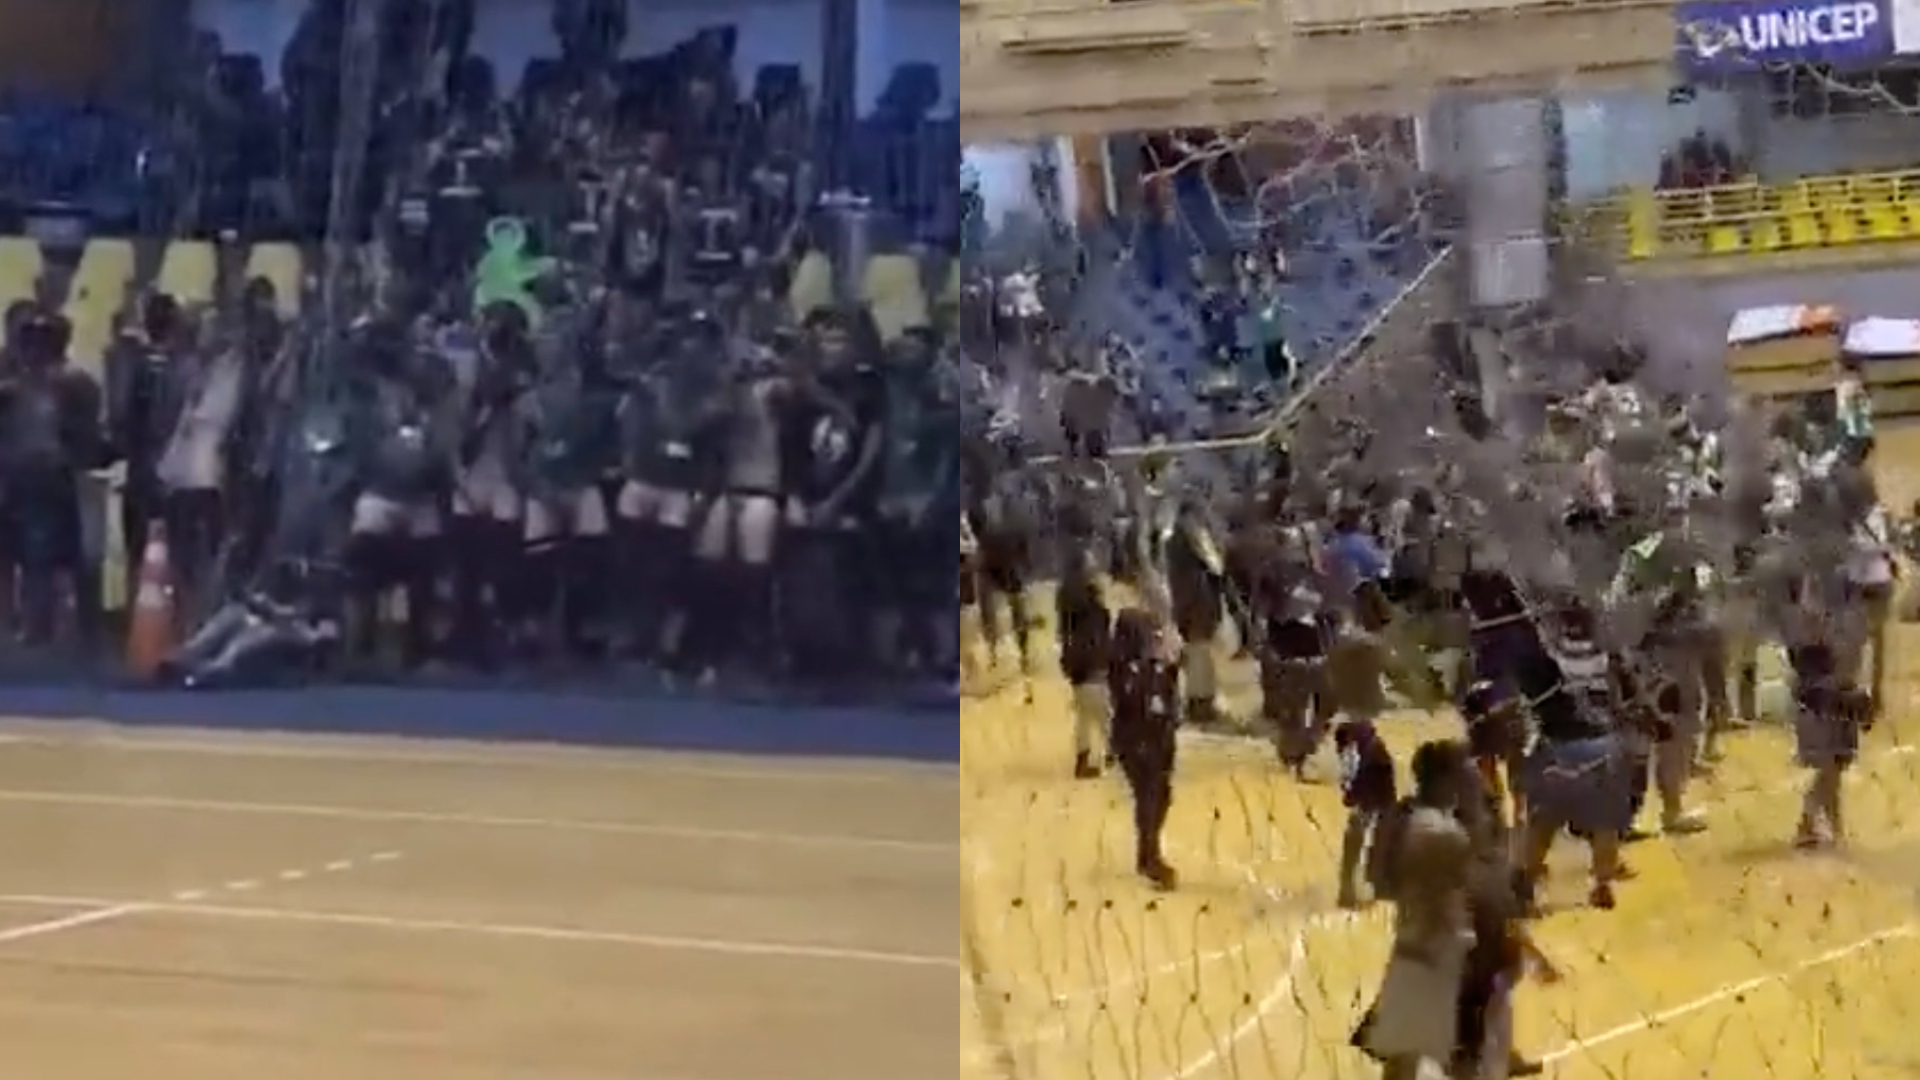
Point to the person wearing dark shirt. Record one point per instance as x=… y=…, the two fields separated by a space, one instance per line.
x=1195 y=586
x=999 y=511
x=1830 y=712
x=1502 y=952
x=1086 y=632
x=918 y=474
x=1293 y=650
x=1577 y=773
x=1144 y=686
x=143 y=406
x=49 y=435
x=833 y=438
x=1497 y=738
x=1367 y=790
x=1501 y=633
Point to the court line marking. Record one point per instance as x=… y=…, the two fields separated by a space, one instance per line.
x=403 y=924
x=1282 y=988
x=291 y=874
x=1056 y=1032
x=490 y=821
x=1728 y=992
x=1340 y=918
x=93 y=914
x=107 y=911
x=527 y=755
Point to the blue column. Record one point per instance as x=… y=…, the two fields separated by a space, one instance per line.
x=839 y=89
x=875 y=56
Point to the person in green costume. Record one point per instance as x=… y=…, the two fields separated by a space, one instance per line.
x=507 y=272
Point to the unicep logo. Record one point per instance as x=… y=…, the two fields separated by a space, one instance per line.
x=1781 y=31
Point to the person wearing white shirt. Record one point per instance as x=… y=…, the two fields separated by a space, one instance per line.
x=193 y=467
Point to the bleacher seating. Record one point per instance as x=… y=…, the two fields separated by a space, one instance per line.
x=1751 y=218
x=1341 y=274
x=281 y=265
x=95 y=296
x=188 y=271
x=57 y=151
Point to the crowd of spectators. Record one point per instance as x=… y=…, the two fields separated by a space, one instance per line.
x=641 y=363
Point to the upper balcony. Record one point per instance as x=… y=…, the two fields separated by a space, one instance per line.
x=1032 y=68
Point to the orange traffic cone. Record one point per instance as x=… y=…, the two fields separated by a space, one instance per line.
x=150 y=632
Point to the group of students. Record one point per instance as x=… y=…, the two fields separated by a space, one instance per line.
x=663 y=494
x=615 y=431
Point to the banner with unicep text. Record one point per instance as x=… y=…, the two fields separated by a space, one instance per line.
x=1723 y=36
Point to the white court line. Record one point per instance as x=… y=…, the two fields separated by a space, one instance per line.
x=95 y=914
x=942 y=848
x=1281 y=989
x=99 y=911
x=1284 y=984
x=1726 y=993
x=513 y=755
x=400 y=924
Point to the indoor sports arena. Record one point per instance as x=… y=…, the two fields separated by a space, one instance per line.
x=1323 y=254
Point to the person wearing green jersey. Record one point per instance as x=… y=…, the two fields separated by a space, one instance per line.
x=1667 y=573
x=1853 y=410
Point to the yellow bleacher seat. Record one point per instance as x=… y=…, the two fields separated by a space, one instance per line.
x=1726 y=240
x=1884 y=221
x=812 y=285
x=20 y=260
x=1841 y=225
x=187 y=271
x=280 y=264
x=1803 y=231
x=95 y=298
x=1815 y=211
x=1642 y=243
x=1794 y=199
x=21 y=264
x=892 y=289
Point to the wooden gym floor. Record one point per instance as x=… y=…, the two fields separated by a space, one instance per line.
x=1729 y=955
x=197 y=906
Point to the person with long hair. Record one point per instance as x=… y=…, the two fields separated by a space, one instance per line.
x=1144 y=684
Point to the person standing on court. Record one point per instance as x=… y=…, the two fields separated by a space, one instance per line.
x=1427 y=857
x=1830 y=712
x=1086 y=631
x=1144 y=685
